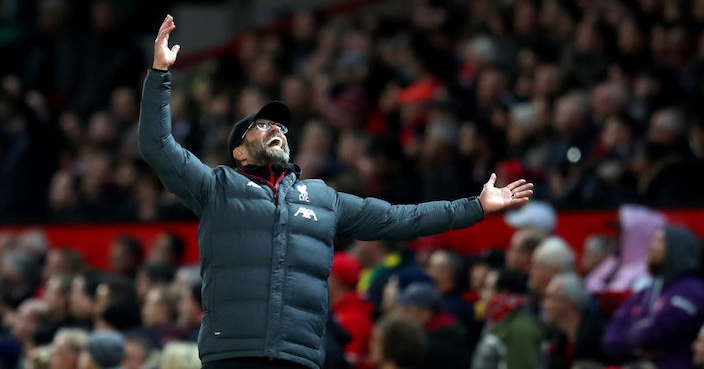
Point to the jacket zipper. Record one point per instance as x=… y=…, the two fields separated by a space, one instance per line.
x=276 y=188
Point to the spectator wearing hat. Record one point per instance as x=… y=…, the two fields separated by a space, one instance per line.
x=448 y=348
x=104 y=350
x=349 y=309
x=398 y=342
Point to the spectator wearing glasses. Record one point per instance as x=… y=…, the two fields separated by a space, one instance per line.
x=266 y=236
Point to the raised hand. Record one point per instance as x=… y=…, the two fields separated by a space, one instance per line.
x=494 y=199
x=164 y=57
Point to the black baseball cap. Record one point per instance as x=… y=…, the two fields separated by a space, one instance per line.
x=275 y=110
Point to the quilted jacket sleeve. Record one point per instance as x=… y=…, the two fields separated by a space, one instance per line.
x=181 y=172
x=371 y=218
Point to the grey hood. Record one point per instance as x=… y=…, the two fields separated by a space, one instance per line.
x=683 y=253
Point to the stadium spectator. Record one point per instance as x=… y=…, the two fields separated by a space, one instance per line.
x=168 y=248
x=448 y=270
x=350 y=310
x=511 y=337
x=190 y=310
x=567 y=305
x=397 y=343
x=180 y=355
x=447 y=338
x=152 y=275
x=103 y=350
x=66 y=348
x=551 y=257
x=661 y=321
x=125 y=256
x=521 y=247
x=139 y=351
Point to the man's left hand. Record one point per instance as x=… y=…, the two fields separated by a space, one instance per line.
x=494 y=199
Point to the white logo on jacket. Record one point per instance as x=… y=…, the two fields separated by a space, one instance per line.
x=252 y=184
x=306 y=213
x=303 y=193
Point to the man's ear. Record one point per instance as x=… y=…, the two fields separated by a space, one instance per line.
x=239 y=154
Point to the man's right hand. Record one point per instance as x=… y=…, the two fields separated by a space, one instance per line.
x=164 y=57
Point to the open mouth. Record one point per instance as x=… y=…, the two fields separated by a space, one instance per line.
x=275 y=142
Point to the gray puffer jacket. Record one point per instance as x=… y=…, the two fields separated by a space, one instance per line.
x=266 y=244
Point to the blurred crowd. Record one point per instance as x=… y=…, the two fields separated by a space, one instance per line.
x=633 y=299
x=595 y=101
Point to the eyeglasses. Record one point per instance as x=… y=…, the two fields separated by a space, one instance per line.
x=264 y=125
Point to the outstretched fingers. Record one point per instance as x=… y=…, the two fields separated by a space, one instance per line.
x=520 y=193
x=512 y=186
x=522 y=188
x=166 y=27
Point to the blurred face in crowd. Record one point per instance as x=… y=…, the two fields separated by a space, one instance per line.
x=135 y=356
x=26 y=320
x=553 y=304
x=154 y=312
x=439 y=270
x=189 y=311
x=121 y=261
x=540 y=275
x=591 y=260
x=80 y=303
x=57 y=299
x=656 y=252
x=161 y=251
x=266 y=147
x=489 y=289
x=478 y=274
x=517 y=258
x=55 y=264
x=63 y=356
x=615 y=134
x=698 y=348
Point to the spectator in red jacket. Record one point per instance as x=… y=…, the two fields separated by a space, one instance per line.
x=350 y=310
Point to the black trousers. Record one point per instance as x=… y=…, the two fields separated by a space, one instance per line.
x=252 y=363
